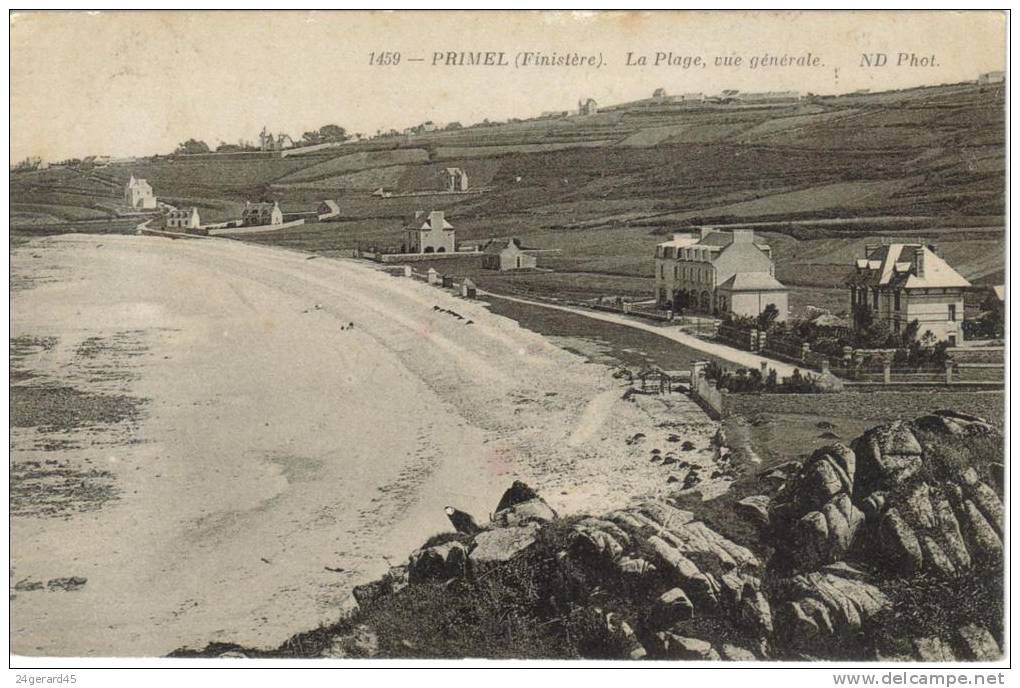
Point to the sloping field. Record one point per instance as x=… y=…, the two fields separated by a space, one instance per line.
x=364 y=180
x=356 y=162
x=433 y=176
x=450 y=152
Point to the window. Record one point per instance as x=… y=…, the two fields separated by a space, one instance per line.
x=952 y=312
x=875 y=299
x=897 y=299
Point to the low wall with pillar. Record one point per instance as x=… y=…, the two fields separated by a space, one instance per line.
x=705 y=391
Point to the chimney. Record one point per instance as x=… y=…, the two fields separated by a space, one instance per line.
x=436 y=219
x=870 y=248
x=705 y=231
x=919 y=261
x=743 y=236
x=934 y=249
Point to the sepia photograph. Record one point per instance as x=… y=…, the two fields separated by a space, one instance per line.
x=575 y=338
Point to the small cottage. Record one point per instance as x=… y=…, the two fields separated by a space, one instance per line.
x=507 y=254
x=183 y=219
x=257 y=214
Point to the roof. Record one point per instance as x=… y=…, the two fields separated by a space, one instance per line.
x=184 y=212
x=497 y=246
x=1000 y=292
x=752 y=281
x=332 y=205
x=426 y=223
x=893 y=265
x=724 y=239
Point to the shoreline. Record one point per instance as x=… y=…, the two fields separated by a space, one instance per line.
x=380 y=426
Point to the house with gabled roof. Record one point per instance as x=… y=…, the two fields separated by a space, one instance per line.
x=750 y=293
x=899 y=283
x=183 y=219
x=507 y=254
x=429 y=234
x=138 y=194
x=692 y=266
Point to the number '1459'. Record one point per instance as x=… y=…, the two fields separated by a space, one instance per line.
x=384 y=59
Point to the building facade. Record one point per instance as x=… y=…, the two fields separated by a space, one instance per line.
x=750 y=293
x=183 y=219
x=691 y=268
x=507 y=254
x=587 y=106
x=456 y=179
x=991 y=78
x=900 y=283
x=257 y=214
x=138 y=194
x=429 y=234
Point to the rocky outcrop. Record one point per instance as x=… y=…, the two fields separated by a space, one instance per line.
x=826 y=608
x=520 y=504
x=440 y=562
x=754 y=509
x=848 y=528
x=813 y=520
x=499 y=545
x=924 y=512
x=954 y=423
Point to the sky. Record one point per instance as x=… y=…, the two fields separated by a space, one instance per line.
x=139 y=83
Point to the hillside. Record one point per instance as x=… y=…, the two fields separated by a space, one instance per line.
x=826 y=173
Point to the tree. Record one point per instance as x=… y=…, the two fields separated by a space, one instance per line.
x=767 y=317
x=454 y=125
x=192 y=146
x=332 y=133
x=311 y=138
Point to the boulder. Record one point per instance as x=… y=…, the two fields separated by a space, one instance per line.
x=899 y=543
x=954 y=423
x=812 y=521
x=360 y=642
x=441 y=562
x=933 y=649
x=670 y=607
x=754 y=509
x=595 y=540
x=734 y=653
x=617 y=626
x=502 y=544
x=519 y=505
x=977 y=644
x=918 y=525
x=887 y=455
x=673 y=646
x=755 y=613
x=822 y=610
x=635 y=569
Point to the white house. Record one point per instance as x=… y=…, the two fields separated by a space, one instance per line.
x=900 y=283
x=429 y=234
x=257 y=214
x=695 y=271
x=183 y=219
x=138 y=194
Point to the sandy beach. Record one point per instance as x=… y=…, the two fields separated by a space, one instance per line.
x=276 y=414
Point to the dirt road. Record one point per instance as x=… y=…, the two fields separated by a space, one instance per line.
x=740 y=358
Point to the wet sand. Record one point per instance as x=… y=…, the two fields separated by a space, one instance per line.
x=269 y=440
